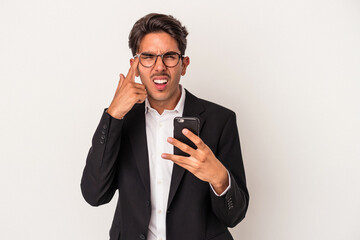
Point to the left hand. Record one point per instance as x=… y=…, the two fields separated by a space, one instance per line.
x=201 y=162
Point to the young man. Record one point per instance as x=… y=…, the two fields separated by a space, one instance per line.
x=196 y=198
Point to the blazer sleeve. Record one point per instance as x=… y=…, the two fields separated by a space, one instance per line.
x=98 y=180
x=231 y=207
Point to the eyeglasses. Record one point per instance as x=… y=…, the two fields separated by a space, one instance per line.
x=170 y=59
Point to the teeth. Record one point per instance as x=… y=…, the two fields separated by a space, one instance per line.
x=160 y=81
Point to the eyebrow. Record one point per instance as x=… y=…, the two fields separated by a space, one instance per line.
x=151 y=53
x=148 y=53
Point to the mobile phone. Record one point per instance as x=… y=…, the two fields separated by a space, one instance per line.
x=191 y=123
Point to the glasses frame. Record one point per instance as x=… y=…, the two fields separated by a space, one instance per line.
x=162 y=58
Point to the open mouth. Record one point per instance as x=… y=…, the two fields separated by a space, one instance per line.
x=160 y=81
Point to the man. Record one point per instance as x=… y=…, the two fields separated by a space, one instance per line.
x=196 y=198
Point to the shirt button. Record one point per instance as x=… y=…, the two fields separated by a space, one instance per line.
x=160 y=124
x=159 y=211
x=159 y=182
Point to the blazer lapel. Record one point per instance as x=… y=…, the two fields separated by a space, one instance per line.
x=192 y=108
x=136 y=129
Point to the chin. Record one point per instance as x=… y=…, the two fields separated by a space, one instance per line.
x=160 y=98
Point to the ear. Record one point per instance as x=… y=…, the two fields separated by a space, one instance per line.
x=137 y=69
x=185 y=63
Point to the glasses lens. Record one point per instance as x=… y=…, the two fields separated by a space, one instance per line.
x=147 y=59
x=171 y=59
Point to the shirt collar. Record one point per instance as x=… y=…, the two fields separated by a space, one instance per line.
x=178 y=108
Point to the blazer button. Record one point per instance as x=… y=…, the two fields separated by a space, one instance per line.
x=142 y=236
x=102 y=136
x=101 y=141
x=147 y=203
x=104 y=126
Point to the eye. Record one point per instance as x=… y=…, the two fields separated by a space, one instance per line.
x=170 y=55
x=147 y=56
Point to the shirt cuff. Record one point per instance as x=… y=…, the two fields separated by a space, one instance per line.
x=225 y=191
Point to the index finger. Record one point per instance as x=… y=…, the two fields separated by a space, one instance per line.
x=194 y=138
x=133 y=69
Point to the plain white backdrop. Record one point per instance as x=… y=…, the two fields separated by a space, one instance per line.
x=289 y=69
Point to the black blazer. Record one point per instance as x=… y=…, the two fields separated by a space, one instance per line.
x=118 y=160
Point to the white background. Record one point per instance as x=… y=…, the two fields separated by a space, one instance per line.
x=289 y=69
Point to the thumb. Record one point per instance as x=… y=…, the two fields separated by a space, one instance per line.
x=121 y=81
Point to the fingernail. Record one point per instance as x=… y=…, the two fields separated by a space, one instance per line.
x=169 y=139
x=185 y=131
x=163 y=155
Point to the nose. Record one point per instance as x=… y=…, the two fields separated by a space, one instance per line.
x=159 y=65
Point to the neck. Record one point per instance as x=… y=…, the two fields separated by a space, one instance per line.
x=169 y=104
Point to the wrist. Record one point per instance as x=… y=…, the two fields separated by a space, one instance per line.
x=115 y=114
x=221 y=182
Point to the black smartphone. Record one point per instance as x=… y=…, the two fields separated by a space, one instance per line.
x=191 y=123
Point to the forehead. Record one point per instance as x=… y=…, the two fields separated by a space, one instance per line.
x=159 y=42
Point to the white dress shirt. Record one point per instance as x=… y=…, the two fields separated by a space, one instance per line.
x=158 y=129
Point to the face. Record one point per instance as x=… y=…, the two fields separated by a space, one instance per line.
x=161 y=82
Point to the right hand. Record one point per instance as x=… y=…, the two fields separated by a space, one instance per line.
x=127 y=94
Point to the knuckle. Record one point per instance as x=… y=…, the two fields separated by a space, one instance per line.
x=202 y=158
x=133 y=95
x=197 y=141
x=196 y=167
x=186 y=148
x=132 y=90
